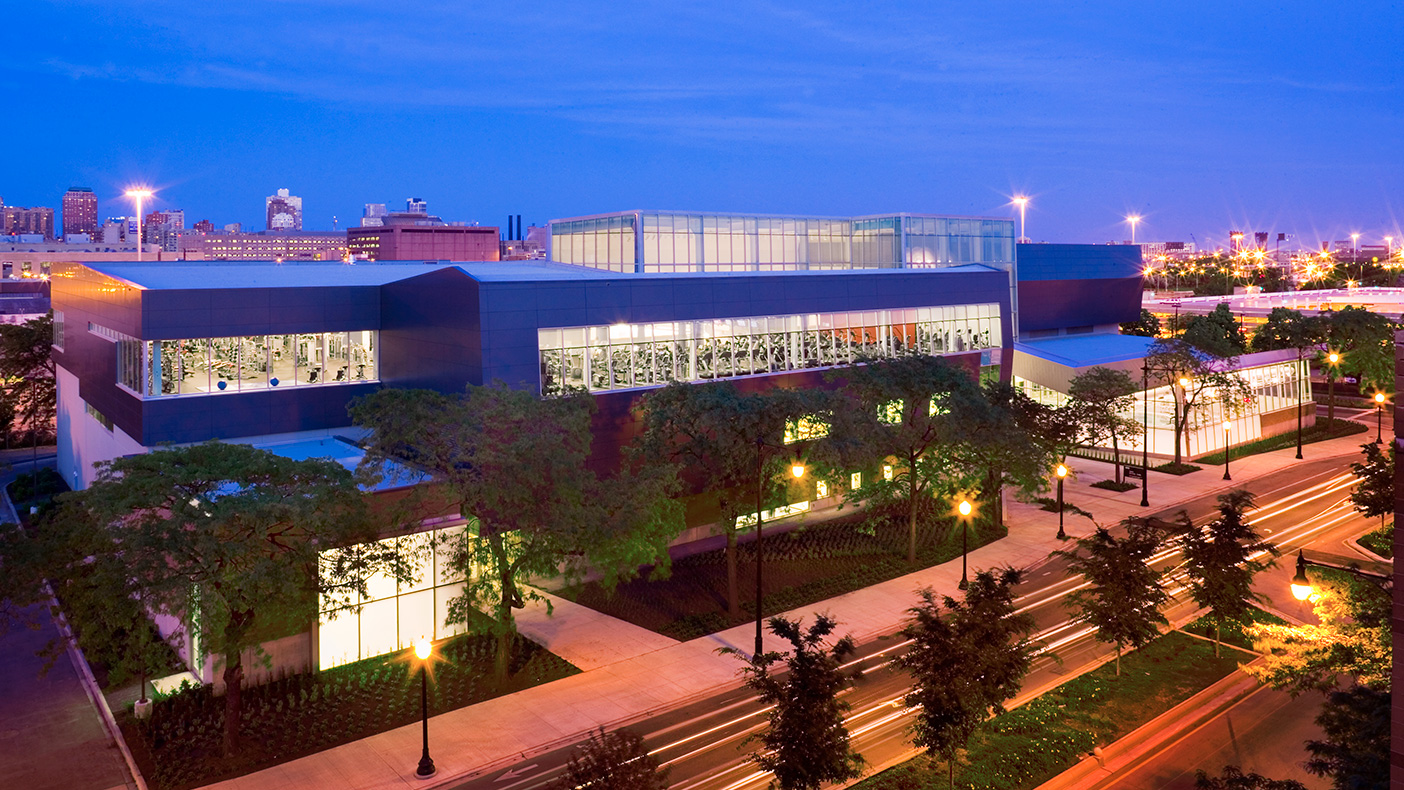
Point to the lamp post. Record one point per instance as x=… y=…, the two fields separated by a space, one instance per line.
x=1379 y=417
x=1133 y=219
x=1331 y=360
x=1145 y=434
x=422 y=649
x=1062 y=471
x=1227 y=427
x=1022 y=202
x=1180 y=421
x=1354 y=244
x=796 y=469
x=139 y=194
x=964 y=509
x=1302 y=586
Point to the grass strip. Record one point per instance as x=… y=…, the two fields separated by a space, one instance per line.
x=1319 y=432
x=1035 y=742
x=1381 y=541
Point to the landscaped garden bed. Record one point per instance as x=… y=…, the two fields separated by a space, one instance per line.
x=1319 y=432
x=180 y=746
x=1112 y=485
x=1035 y=742
x=1381 y=541
x=804 y=565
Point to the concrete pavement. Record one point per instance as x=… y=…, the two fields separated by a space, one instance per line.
x=631 y=675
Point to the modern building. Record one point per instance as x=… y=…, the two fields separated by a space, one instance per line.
x=283 y=211
x=80 y=212
x=405 y=236
x=416 y=206
x=21 y=221
x=265 y=246
x=373 y=216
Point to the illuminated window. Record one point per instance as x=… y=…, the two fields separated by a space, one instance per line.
x=855 y=481
x=886 y=471
x=891 y=412
x=821 y=489
x=805 y=428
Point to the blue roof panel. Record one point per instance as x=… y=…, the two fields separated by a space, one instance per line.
x=1080 y=351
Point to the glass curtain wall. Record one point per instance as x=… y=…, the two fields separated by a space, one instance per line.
x=240 y=364
x=599 y=242
x=937 y=241
x=623 y=356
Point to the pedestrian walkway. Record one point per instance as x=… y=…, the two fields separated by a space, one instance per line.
x=643 y=676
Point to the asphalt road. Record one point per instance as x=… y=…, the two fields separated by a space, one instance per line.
x=704 y=745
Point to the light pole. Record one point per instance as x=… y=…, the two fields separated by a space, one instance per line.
x=1379 y=417
x=1145 y=434
x=1133 y=219
x=1355 y=245
x=1331 y=360
x=1302 y=586
x=422 y=649
x=1227 y=427
x=1062 y=473
x=139 y=194
x=964 y=509
x=797 y=469
x=1022 y=202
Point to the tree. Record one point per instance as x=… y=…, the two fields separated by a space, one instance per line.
x=1220 y=564
x=1292 y=329
x=1234 y=779
x=27 y=371
x=614 y=760
x=1374 y=496
x=904 y=412
x=806 y=744
x=1124 y=593
x=1211 y=383
x=1352 y=638
x=225 y=537
x=1355 y=752
x=1364 y=338
x=1104 y=395
x=1007 y=439
x=965 y=662
x=1217 y=333
x=711 y=430
x=1146 y=326
x=515 y=465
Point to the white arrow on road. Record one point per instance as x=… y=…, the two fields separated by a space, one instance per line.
x=515 y=773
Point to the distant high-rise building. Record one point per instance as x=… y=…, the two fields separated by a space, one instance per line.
x=266 y=245
x=80 y=211
x=203 y=226
x=21 y=221
x=416 y=206
x=164 y=228
x=234 y=227
x=284 y=211
x=374 y=215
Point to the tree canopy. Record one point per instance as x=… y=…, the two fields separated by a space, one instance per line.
x=1288 y=328
x=27 y=372
x=1216 y=333
x=1352 y=638
x=1213 y=386
x=1124 y=593
x=1355 y=751
x=1102 y=396
x=613 y=760
x=1374 y=495
x=1147 y=326
x=1220 y=565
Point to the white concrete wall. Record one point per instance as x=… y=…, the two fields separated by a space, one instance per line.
x=82 y=440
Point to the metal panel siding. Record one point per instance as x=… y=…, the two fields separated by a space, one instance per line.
x=1054 y=304
x=1078 y=262
x=430 y=331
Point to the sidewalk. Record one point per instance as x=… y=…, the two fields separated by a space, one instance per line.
x=632 y=674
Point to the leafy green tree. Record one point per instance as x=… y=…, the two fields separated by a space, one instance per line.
x=904 y=411
x=806 y=744
x=965 y=662
x=1220 y=564
x=1146 y=326
x=28 y=374
x=1352 y=637
x=1124 y=593
x=1217 y=333
x=1355 y=751
x=1007 y=439
x=713 y=430
x=1233 y=778
x=1374 y=495
x=1104 y=395
x=21 y=579
x=225 y=537
x=613 y=760
x=1211 y=383
x=516 y=465
x=1287 y=328
x=1365 y=340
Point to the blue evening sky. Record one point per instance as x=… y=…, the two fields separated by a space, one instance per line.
x=1203 y=116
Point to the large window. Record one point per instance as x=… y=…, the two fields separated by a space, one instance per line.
x=622 y=356
x=240 y=364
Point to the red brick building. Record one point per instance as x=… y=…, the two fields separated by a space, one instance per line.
x=414 y=237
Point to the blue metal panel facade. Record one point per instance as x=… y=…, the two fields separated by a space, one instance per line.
x=1078 y=285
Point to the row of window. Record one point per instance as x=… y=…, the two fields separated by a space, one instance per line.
x=622 y=356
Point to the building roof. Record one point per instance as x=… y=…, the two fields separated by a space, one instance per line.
x=260 y=274
x=1080 y=351
x=392 y=475
x=533 y=271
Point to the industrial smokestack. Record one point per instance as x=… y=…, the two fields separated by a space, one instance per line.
x=519 y=227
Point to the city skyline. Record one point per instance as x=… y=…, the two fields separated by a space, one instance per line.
x=1201 y=120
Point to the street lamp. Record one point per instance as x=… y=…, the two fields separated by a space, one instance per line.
x=1062 y=471
x=964 y=509
x=422 y=649
x=139 y=194
x=1302 y=588
x=1133 y=219
x=1145 y=434
x=796 y=469
x=1022 y=202
x=1227 y=427
x=1331 y=359
x=1354 y=244
x=1379 y=417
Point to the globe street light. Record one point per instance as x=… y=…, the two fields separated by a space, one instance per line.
x=422 y=649
x=1062 y=471
x=1331 y=359
x=139 y=194
x=1302 y=588
x=1379 y=417
x=964 y=509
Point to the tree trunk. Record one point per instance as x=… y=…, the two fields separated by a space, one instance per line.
x=234 y=633
x=507 y=599
x=1118 y=659
x=911 y=516
x=950 y=771
x=733 y=592
x=1216 y=640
